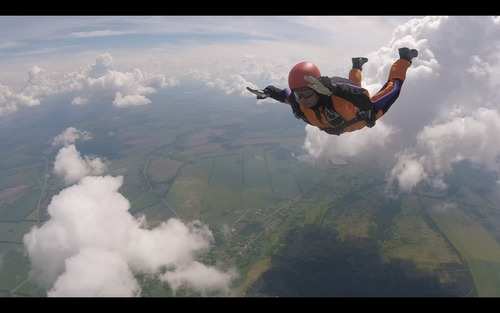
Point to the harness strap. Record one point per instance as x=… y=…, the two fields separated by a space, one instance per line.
x=370 y=122
x=340 y=129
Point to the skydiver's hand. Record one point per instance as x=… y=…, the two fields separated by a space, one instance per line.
x=321 y=85
x=259 y=93
x=275 y=93
x=369 y=116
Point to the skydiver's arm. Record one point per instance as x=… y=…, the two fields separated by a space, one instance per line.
x=277 y=94
x=285 y=96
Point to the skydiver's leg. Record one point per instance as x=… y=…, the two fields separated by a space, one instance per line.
x=355 y=76
x=357 y=66
x=388 y=94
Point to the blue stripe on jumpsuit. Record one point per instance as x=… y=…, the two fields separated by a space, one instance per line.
x=388 y=99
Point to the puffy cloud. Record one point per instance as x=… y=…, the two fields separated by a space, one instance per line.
x=440 y=78
x=408 y=171
x=198 y=276
x=454 y=73
x=321 y=145
x=439 y=146
x=34 y=74
x=233 y=84
x=99 y=273
x=92 y=245
x=249 y=72
x=98 y=82
x=467 y=137
x=69 y=136
x=244 y=65
x=123 y=89
x=102 y=64
x=130 y=100
x=70 y=165
x=10 y=101
x=31 y=94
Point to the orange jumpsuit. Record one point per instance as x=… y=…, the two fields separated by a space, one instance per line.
x=381 y=101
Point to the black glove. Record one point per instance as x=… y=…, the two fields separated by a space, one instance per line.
x=369 y=116
x=275 y=93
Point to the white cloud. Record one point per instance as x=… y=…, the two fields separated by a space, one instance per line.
x=198 y=276
x=95 y=273
x=102 y=64
x=10 y=101
x=321 y=145
x=130 y=100
x=468 y=137
x=98 y=82
x=233 y=84
x=72 y=167
x=30 y=95
x=123 y=89
x=69 y=136
x=408 y=172
x=439 y=146
x=91 y=244
x=34 y=74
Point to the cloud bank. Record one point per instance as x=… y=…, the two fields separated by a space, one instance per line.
x=99 y=82
x=69 y=136
x=321 y=145
x=70 y=165
x=467 y=137
x=92 y=246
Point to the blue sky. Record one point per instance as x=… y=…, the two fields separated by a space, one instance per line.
x=63 y=43
x=21 y=36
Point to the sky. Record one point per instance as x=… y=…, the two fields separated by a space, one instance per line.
x=60 y=42
x=447 y=112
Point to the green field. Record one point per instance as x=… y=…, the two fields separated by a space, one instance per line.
x=234 y=169
x=14 y=265
x=480 y=250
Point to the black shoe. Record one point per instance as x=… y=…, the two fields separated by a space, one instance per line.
x=407 y=54
x=358 y=62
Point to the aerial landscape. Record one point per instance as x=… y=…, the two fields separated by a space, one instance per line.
x=134 y=184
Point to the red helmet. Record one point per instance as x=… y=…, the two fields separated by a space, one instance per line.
x=299 y=71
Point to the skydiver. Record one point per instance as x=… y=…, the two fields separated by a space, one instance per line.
x=337 y=105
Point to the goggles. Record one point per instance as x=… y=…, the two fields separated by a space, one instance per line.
x=303 y=94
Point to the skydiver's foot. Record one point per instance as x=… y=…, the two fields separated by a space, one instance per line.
x=358 y=62
x=407 y=54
